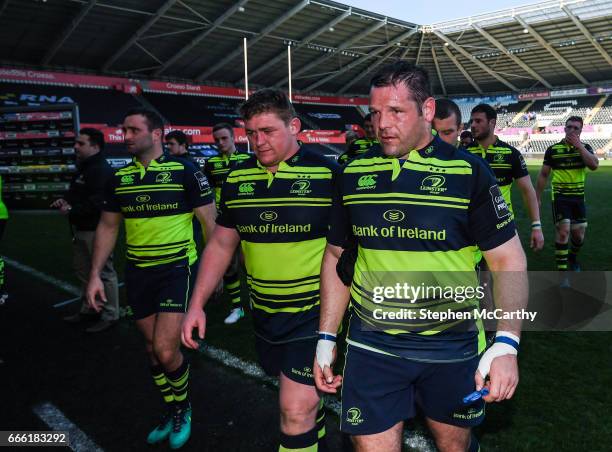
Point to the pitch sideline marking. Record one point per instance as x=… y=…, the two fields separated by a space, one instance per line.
x=55 y=419
x=413 y=439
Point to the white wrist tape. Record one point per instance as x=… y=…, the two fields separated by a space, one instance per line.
x=496 y=350
x=324 y=352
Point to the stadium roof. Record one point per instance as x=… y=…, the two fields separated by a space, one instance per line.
x=334 y=48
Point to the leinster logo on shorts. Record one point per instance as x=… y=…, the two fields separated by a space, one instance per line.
x=268 y=215
x=394 y=216
x=353 y=416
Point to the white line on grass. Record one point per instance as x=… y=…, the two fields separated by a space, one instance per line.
x=413 y=439
x=43 y=276
x=55 y=419
x=72 y=300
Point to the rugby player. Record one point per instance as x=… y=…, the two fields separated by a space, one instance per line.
x=216 y=170
x=420 y=207
x=508 y=165
x=360 y=145
x=157 y=195
x=447 y=121
x=568 y=161
x=277 y=206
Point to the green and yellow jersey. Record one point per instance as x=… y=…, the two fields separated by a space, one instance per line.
x=568 y=170
x=417 y=221
x=282 y=219
x=218 y=167
x=356 y=148
x=506 y=162
x=3 y=210
x=157 y=203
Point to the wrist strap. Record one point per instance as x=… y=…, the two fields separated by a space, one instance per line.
x=536 y=225
x=507 y=340
x=327 y=337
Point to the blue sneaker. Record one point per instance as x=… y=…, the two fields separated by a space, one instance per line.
x=162 y=431
x=181 y=427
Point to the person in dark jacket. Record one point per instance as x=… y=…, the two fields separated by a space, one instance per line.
x=82 y=206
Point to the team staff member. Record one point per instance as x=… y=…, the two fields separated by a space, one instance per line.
x=82 y=205
x=217 y=168
x=508 y=165
x=276 y=205
x=360 y=145
x=158 y=195
x=446 y=203
x=568 y=161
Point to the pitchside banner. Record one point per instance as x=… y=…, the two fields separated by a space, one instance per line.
x=459 y=302
x=204 y=134
x=135 y=86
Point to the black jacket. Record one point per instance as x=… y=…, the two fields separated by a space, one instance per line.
x=86 y=192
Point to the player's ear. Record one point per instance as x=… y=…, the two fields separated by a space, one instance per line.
x=295 y=125
x=429 y=109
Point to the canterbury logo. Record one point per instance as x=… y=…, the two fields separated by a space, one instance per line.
x=247 y=187
x=369 y=180
x=129 y=179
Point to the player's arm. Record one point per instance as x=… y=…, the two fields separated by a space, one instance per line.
x=531 y=201
x=588 y=157
x=206 y=216
x=215 y=259
x=510 y=292
x=104 y=243
x=334 y=301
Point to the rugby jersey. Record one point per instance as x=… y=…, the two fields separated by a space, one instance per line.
x=426 y=213
x=568 y=170
x=157 y=203
x=282 y=219
x=506 y=162
x=356 y=148
x=218 y=167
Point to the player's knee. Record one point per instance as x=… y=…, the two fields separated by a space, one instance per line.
x=165 y=355
x=562 y=235
x=297 y=415
x=452 y=444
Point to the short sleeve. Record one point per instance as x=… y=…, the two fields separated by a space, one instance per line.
x=224 y=217
x=197 y=188
x=548 y=157
x=339 y=227
x=519 y=166
x=110 y=201
x=490 y=220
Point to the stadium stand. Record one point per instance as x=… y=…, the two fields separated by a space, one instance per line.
x=506 y=114
x=194 y=110
x=329 y=117
x=604 y=115
x=554 y=112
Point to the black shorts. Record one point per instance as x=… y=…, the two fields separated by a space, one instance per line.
x=378 y=391
x=294 y=359
x=569 y=209
x=160 y=288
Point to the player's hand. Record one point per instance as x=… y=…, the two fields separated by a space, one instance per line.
x=537 y=239
x=324 y=377
x=65 y=208
x=572 y=139
x=58 y=203
x=95 y=293
x=503 y=379
x=195 y=318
